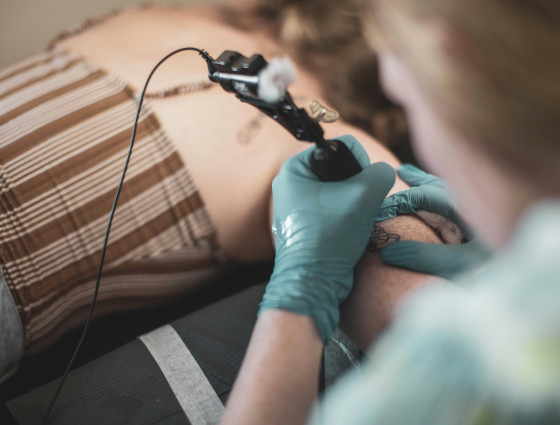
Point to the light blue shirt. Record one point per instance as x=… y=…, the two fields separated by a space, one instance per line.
x=485 y=351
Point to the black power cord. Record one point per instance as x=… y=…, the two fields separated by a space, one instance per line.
x=208 y=60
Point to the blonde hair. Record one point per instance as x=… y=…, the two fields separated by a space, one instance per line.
x=498 y=79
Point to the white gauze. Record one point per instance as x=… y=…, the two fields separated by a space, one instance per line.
x=275 y=78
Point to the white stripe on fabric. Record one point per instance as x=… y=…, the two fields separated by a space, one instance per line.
x=76 y=139
x=37 y=71
x=87 y=239
x=82 y=189
x=28 y=62
x=187 y=381
x=170 y=239
x=59 y=107
x=44 y=87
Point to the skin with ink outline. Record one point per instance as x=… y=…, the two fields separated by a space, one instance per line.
x=380 y=237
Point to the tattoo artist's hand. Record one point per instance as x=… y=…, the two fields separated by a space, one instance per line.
x=430 y=193
x=322 y=229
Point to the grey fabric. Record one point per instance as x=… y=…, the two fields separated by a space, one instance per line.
x=110 y=389
x=340 y=356
x=217 y=336
x=12 y=341
x=125 y=386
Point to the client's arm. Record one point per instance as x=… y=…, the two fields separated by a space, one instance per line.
x=378 y=288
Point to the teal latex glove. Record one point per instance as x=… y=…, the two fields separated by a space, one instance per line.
x=430 y=193
x=322 y=229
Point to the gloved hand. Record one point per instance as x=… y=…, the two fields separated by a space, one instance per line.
x=429 y=193
x=322 y=229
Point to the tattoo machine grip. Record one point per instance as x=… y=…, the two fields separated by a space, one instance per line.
x=334 y=161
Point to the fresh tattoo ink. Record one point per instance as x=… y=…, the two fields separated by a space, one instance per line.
x=380 y=237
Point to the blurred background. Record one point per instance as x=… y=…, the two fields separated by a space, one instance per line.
x=27 y=26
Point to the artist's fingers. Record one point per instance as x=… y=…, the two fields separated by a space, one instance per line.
x=378 y=178
x=414 y=176
x=434 y=259
x=395 y=205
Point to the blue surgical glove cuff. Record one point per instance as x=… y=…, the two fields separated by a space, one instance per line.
x=288 y=290
x=321 y=231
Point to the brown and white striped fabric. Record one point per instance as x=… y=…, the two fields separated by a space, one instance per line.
x=65 y=128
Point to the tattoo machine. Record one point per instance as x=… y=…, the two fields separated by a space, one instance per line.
x=263 y=85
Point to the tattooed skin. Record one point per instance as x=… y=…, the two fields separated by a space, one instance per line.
x=380 y=237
